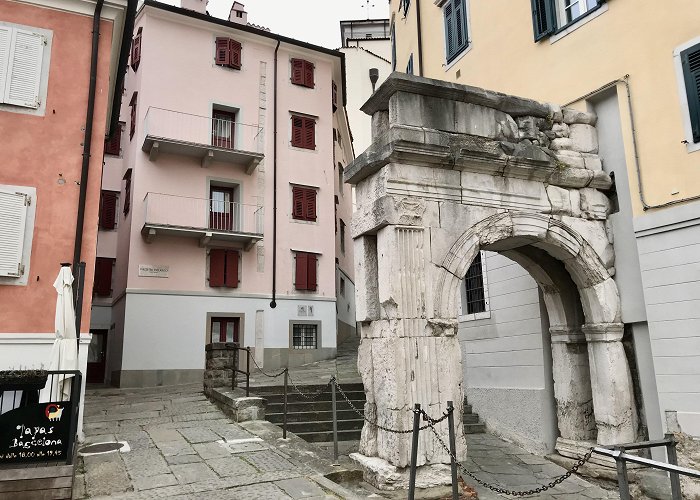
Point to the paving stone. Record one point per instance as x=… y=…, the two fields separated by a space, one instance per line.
x=264 y=491
x=199 y=435
x=173 y=448
x=268 y=461
x=192 y=473
x=160 y=435
x=246 y=447
x=211 y=450
x=145 y=463
x=159 y=481
x=105 y=475
x=199 y=416
x=533 y=459
x=231 y=431
x=183 y=459
x=230 y=466
x=300 y=488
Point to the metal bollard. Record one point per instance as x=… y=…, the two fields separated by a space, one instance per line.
x=247 y=372
x=335 y=423
x=453 y=450
x=414 y=453
x=622 y=481
x=284 y=422
x=673 y=460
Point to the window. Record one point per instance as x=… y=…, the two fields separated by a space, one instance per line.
x=342 y=287
x=21 y=56
x=223 y=268
x=456 y=36
x=303 y=132
x=474 y=287
x=341 y=172
x=132 y=103
x=225 y=330
x=223 y=127
x=228 y=53
x=305 y=271
x=303 y=203
x=304 y=336
x=113 y=143
x=108 y=210
x=334 y=96
x=13 y=219
x=404 y=5
x=342 y=236
x=302 y=73
x=690 y=61
x=409 y=66
x=103 y=277
x=127 y=191
x=136 y=50
x=550 y=15
x=224 y=213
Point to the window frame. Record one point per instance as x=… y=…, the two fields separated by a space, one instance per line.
x=102 y=291
x=29 y=218
x=308 y=73
x=451 y=57
x=305 y=286
x=682 y=79
x=233 y=51
x=306 y=123
x=301 y=323
x=104 y=225
x=127 y=192
x=342 y=236
x=114 y=142
x=302 y=213
x=136 y=44
x=229 y=279
x=466 y=316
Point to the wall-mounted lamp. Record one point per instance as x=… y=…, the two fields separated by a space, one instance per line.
x=61 y=181
x=373 y=77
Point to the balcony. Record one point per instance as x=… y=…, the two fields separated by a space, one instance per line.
x=203 y=137
x=209 y=220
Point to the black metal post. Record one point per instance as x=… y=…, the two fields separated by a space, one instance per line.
x=622 y=481
x=247 y=372
x=284 y=422
x=673 y=460
x=335 y=423
x=414 y=453
x=453 y=449
x=79 y=302
x=76 y=388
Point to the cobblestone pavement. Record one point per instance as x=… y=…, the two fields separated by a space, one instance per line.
x=182 y=446
x=498 y=462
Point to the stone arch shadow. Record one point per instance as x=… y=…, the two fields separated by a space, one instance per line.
x=592 y=381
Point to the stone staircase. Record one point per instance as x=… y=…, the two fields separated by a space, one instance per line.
x=313 y=420
x=472 y=424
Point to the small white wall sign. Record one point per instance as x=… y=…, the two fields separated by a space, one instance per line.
x=153 y=271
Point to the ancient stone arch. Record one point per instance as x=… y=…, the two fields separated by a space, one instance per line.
x=453 y=170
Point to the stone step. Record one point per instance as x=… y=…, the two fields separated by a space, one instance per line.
x=293 y=396
x=474 y=428
x=303 y=428
x=278 y=418
x=467 y=408
x=470 y=418
x=324 y=437
x=312 y=406
x=279 y=389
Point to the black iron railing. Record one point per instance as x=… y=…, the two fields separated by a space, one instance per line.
x=237 y=366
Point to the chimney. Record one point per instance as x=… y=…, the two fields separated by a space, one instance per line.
x=238 y=15
x=195 y=5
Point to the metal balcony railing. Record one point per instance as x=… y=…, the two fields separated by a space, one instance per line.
x=199 y=216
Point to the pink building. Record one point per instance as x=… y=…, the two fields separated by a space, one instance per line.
x=51 y=155
x=223 y=209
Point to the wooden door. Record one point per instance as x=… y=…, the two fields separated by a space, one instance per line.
x=222 y=208
x=223 y=125
x=225 y=330
x=97 y=355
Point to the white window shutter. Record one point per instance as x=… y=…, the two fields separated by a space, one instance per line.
x=5 y=42
x=24 y=73
x=13 y=218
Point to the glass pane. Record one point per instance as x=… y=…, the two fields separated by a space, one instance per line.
x=215 y=331
x=96 y=348
x=229 y=331
x=591 y=4
x=221 y=202
x=573 y=9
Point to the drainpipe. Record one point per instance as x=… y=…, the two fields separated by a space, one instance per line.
x=87 y=143
x=273 y=302
x=420 y=39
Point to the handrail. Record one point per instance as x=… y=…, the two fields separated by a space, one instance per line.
x=246 y=372
x=620 y=455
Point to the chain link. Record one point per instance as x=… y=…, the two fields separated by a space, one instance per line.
x=311 y=396
x=504 y=491
x=267 y=374
x=387 y=429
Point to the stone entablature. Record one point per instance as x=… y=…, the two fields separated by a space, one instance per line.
x=454 y=169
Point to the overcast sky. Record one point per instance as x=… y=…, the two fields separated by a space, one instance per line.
x=313 y=21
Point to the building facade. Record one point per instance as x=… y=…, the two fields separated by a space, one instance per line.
x=586 y=56
x=224 y=214
x=45 y=78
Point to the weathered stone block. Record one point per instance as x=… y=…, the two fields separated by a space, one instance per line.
x=561 y=143
x=574 y=116
x=380 y=123
x=592 y=161
x=594 y=204
x=601 y=302
x=560 y=130
x=594 y=233
x=584 y=138
x=560 y=199
x=572 y=159
x=366 y=296
x=482 y=121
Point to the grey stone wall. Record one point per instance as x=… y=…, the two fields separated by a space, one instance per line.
x=220 y=360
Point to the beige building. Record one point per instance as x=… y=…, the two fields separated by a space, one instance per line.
x=637 y=67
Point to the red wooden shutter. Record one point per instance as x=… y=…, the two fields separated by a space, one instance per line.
x=231 y=280
x=310 y=203
x=302 y=271
x=223 y=54
x=103 y=277
x=335 y=98
x=132 y=103
x=235 y=54
x=309 y=133
x=108 y=209
x=136 y=50
x=311 y=264
x=298 y=71
x=217 y=265
x=297 y=203
x=298 y=131
x=308 y=74
x=127 y=191
x=113 y=144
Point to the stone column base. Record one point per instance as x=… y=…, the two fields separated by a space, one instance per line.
x=576 y=449
x=433 y=481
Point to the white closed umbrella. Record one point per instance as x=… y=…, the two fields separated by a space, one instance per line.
x=64 y=353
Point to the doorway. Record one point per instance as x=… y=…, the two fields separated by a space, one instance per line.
x=97 y=356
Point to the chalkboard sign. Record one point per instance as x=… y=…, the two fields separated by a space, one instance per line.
x=36 y=432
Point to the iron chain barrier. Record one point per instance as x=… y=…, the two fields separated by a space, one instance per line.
x=267 y=374
x=574 y=468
